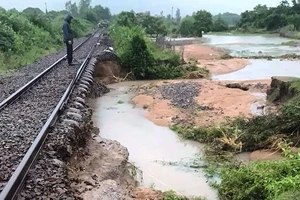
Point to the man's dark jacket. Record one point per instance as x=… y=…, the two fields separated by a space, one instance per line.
x=67 y=32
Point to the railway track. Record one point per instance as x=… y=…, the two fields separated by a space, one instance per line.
x=30 y=111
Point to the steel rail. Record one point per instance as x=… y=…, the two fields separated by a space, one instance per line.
x=16 y=181
x=21 y=90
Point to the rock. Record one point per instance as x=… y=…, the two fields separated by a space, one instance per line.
x=238 y=86
x=280 y=88
x=58 y=163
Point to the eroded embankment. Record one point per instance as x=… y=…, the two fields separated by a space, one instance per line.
x=100 y=168
x=70 y=149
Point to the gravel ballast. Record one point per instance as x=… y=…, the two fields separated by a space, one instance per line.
x=49 y=178
x=22 y=120
x=9 y=84
x=181 y=94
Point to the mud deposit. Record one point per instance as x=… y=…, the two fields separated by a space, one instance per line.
x=165 y=161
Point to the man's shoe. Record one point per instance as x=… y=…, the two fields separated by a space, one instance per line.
x=71 y=64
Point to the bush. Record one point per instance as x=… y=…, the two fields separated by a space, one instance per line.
x=260 y=181
x=170 y=195
x=141 y=56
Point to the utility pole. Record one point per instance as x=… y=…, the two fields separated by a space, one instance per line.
x=46 y=8
x=172 y=15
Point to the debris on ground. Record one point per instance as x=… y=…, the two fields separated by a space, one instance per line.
x=181 y=94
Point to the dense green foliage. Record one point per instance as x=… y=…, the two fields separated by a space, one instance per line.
x=170 y=195
x=261 y=181
x=285 y=17
x=230 y=18
x=201 y=21
x=186 y=26
x=141 y=56
x=151 y=25
x=220 y=25
x=28 y=35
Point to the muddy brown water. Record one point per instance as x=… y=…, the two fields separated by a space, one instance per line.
x=252 y=45
x=167 y=162
x=263 y=69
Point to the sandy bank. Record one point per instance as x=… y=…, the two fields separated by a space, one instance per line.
x=223 y=102
x=210 y=57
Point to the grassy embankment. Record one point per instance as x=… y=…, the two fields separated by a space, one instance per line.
x=258 y=180
x=26 y=38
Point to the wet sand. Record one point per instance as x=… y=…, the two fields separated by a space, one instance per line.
x=210 y=57
x=227 y=102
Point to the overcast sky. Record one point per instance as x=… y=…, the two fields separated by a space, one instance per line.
x=155 y=6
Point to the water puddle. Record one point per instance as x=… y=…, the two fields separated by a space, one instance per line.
x=165 y=159
x=263 y=69
x=257 y=108
x=240 y=46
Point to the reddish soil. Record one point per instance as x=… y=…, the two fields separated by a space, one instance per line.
x=210 y=57
x=212 y=93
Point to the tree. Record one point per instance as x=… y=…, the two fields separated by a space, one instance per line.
x=178 y=17
x=84 y=5
x=126 y=19
x=90 y=16
x=32 y=11
x=186 y=26
x=102 y=13
x=72 y=8
x=203 y=22
x=220 y=25
x=231 y=19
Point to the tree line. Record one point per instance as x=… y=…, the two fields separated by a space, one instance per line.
x=285 y=15
x=29 y=34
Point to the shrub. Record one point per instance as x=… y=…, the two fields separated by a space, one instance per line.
x=260 y=181
x=143 y=57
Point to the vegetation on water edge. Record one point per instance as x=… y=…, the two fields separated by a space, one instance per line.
x=259 y=132
x=144 y=58
x=261 y=180
x=171 y=195
x=290 y=43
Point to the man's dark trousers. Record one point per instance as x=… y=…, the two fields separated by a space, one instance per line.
x=69 y=53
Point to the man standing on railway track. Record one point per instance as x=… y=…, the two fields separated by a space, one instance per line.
x=68 y=38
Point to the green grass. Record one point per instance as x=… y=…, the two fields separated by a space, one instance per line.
x=171 y=195
x=120 y=102
x=260 y=181
x=290 y=43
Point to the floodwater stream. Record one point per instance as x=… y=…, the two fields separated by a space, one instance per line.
x=240 y=46
x=263 y=69
x=167 y=161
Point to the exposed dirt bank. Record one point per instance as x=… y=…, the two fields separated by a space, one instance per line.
x=214 y=102
x=211 y=58
x=102 y=173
